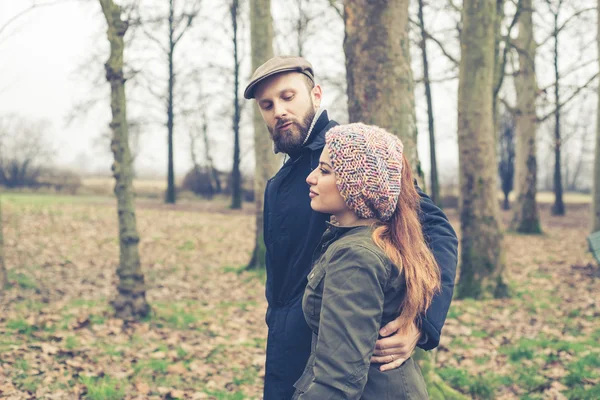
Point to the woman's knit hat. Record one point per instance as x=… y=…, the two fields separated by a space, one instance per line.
x=368 y=163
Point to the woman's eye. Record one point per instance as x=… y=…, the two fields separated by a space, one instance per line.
x=323 y=171
x=288 y=98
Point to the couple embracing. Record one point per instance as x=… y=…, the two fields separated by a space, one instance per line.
x=360 y=262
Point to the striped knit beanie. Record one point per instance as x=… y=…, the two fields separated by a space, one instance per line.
x=367 y=161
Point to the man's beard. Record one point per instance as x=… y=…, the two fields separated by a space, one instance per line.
x=292 y=138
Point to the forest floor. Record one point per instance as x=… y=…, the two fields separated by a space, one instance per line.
x=206 y=336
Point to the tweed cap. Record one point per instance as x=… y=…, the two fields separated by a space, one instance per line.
x=367 y=161
x=277 y=65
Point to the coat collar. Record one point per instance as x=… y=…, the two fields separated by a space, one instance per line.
x=317 y=139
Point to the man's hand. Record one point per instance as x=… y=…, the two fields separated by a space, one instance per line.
x=392 y=351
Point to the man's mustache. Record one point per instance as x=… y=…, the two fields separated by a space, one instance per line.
x=283 y=122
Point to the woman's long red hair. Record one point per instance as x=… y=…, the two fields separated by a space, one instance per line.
x=402 y=240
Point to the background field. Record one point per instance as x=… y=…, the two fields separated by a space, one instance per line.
x=206 y=337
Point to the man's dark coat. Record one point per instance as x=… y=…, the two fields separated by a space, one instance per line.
x=292 y=231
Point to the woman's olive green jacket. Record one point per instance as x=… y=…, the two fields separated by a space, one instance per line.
x=353 y=290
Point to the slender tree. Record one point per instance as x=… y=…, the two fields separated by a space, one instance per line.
x=236 y=177
x=261 y=27
x=526 y=218
x=558 y=208
x=130 y=302
x=381 y=92
x=3 y=273
x=506 y=167
x=481 y=273
x=595 y=220
x=434 y=185
x=178 y=24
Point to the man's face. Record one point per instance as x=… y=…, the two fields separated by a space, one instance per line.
x=288 y=108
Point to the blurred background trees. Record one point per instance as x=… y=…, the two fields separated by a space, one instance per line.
x=186 y=61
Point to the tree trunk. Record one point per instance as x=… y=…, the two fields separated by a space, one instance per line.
x=261 y=26
x=526 y=218
x=482 y=266
x=212 y=171
x=380 y=80
x=595 y=220
x=499 y=66
x=381 y=92
x=170 y=195
x=506 y=202
x=130 y=302
x=3 y=273
x=435 y=187
x=236 y=178
x=558 y=208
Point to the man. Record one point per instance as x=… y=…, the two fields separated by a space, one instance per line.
x=289 y=102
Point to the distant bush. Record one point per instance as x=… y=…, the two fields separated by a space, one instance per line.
x=449 y=201
x=200 y=182
x=59 y=180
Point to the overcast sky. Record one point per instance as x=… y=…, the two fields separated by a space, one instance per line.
x=43 y=50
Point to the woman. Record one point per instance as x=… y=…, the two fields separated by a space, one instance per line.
x=368 y=268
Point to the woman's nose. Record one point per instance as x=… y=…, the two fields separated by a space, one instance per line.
x=311 y=178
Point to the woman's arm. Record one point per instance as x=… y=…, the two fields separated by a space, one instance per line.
x=353 y=298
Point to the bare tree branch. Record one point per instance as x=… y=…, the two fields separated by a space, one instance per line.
x=507 y=42
x=571 y=97
x=339 y=12
x=27 y=11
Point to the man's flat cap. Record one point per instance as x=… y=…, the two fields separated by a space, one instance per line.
x=277 y=65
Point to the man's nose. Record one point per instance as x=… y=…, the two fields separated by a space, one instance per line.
x=279 y=110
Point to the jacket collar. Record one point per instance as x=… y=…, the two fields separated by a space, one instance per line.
x=317 y=139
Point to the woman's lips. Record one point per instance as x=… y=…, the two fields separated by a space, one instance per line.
x=312 y=194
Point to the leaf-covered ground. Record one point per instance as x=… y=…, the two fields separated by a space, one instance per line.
x=206 y=337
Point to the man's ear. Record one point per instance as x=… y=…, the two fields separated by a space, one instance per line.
x=316 y=94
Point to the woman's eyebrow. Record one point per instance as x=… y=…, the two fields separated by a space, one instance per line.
x=324 y=163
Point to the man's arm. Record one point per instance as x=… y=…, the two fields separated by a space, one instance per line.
x=442 y=240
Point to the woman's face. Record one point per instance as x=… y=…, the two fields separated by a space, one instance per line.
x=324 y=194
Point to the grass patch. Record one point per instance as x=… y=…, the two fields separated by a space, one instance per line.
x=587 y=368
x=71 y=342
x=223 y=395
x=105 y=388
x=30 y=383
x=479 y=387
x=21 y=326
x=37 y=199
x=22 y=280
x=529 y=378
x=177 y=316
x=154 y=365
x=188 y=245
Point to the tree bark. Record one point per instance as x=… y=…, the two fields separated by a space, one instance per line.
x=595 y=220
x=526 y=217
x=130 y=302
x=170 y=195
x=261 y=26
x=558 y=208
x=236 y=178
x=380 y=80
x=3 y=273
x=434 y=186
x=381 y=92
x=482 y=267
